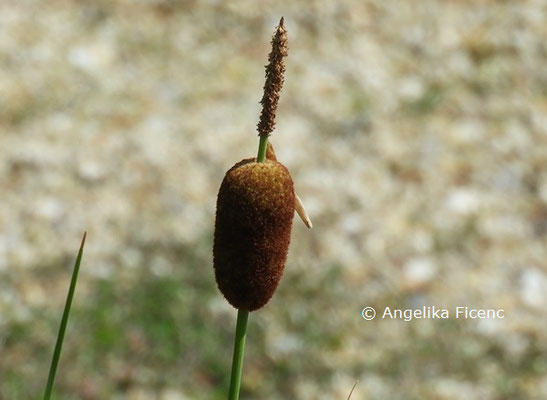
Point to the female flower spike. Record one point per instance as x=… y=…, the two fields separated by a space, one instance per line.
x=255 y=209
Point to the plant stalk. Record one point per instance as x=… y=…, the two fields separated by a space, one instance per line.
x=64 y=322
x=239 y=349
x=262 y=146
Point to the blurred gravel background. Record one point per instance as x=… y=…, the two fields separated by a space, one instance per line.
x=416 y=134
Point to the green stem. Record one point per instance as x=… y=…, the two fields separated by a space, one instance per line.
x=262 y=146
x=64 y=322
x=239 y=349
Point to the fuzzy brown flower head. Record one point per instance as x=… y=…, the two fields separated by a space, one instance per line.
x=255 y=208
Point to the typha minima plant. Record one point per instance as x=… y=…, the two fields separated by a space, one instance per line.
x=255 y=209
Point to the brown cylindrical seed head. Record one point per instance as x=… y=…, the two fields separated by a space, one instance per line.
x=255 y=208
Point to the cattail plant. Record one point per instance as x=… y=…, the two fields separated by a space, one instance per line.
x=255 y=209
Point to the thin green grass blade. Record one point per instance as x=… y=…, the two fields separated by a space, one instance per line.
x=352 y=389
x=64 y=322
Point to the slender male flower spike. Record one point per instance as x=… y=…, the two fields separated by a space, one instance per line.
x=275 y=71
